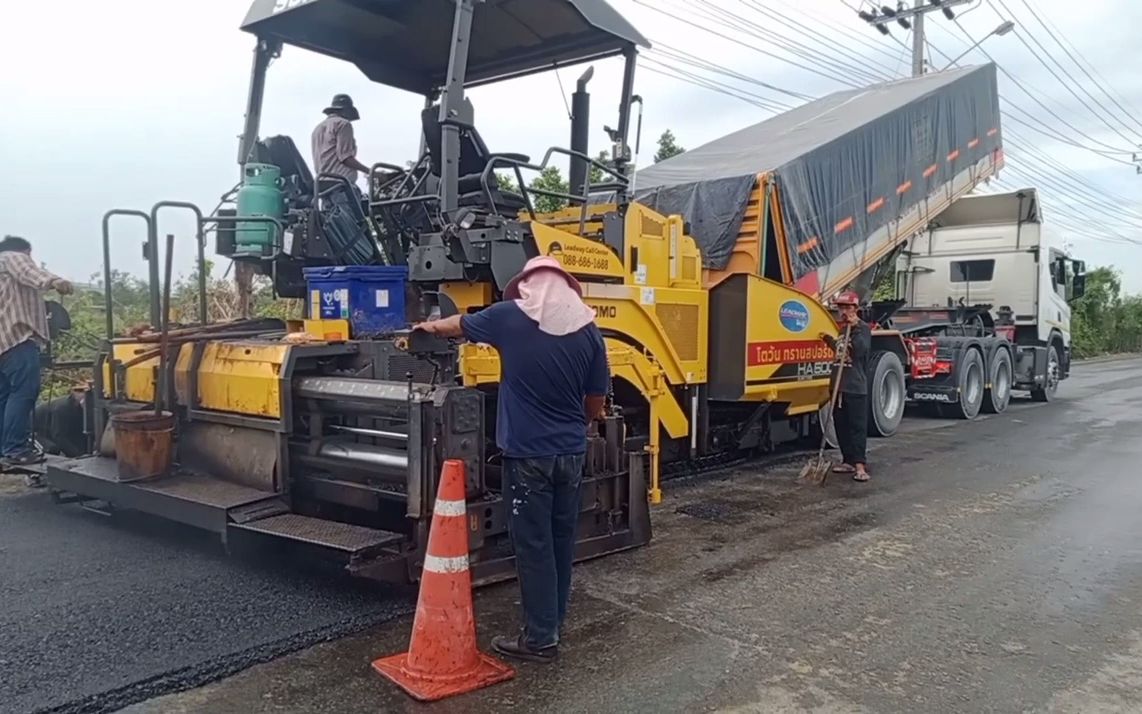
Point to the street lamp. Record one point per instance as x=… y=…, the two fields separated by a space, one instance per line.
x=1005 y=27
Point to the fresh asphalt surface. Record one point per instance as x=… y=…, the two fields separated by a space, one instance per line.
x=990 y=566
x=96 y=614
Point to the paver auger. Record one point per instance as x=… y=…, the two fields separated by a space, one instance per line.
x=336 y=445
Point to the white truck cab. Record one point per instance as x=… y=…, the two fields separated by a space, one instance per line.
x=992 y=250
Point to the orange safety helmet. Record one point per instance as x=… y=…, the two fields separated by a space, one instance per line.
x=848 y=297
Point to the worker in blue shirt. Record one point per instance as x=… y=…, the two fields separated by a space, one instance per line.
x=553 y=382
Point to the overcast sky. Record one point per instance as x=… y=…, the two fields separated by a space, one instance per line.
x=123 y=103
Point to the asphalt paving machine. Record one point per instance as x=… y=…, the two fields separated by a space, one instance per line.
x=335 y=442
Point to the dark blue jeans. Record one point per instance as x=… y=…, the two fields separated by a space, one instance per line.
x=543 y=498
x=19 y=388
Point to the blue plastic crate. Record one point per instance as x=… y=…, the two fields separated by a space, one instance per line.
x=370 y=297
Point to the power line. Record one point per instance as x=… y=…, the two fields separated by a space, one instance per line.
x=1082 y=208
x=789 y=22
x=1036 y=99
x=724 y=36
x=847 y=32
x=1078 y=64
x=733 y=21
x=1053 y=134
x=1066 y=72
x=1095 y=192
x=698 y=62
x=1097 y=79
x=1047 y=130
x=738 y=23
x=681 y=75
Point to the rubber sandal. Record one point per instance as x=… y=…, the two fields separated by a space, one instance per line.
x=844 y=469
x=862 y=477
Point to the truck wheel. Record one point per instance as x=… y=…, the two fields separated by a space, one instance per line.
x=886 y=393
x=1051 y=382
x=971 y=386
x=999 y=395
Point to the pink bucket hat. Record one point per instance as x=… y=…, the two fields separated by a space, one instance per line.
x=511 y=291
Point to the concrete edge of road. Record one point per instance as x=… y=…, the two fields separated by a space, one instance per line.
x=1109 y=358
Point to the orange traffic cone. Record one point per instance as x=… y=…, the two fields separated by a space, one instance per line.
x=442 y=659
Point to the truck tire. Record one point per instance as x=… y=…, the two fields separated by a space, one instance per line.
x=1051 y=380
x=971 y=385
x=1001 y=377
x=886 y=393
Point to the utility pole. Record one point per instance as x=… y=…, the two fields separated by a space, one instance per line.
x=918 y=40
x=910 y=19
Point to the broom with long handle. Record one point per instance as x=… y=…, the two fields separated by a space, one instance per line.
x=817 y=470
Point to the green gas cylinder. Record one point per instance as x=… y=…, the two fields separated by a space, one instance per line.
x=260 y=195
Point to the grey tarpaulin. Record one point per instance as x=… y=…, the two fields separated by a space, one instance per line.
x=860 y=154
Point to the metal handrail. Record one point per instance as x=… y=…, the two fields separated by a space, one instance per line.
x=107 y=296
x=200 y=239
x=583 y=198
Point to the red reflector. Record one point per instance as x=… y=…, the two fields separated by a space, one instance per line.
x=943 y=367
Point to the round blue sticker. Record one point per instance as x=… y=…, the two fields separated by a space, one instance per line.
x=794 y=315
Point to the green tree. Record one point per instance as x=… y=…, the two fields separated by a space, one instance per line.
x=596 y=174
x=506 y=182
x=1094 y=315
x=550 y=179
x=667 y=147
x=130 y=307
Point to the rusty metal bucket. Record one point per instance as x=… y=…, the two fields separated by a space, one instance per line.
x=144 y=444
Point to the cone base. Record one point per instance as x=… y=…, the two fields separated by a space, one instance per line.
x=427 y=688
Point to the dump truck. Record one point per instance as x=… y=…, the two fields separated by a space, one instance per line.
x=333 y=441
x=986 y=298
x=830 y=195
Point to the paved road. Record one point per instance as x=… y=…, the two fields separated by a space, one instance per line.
x=990 y=566
x=97 y=614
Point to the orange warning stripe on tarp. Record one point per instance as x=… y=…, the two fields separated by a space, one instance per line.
x=954 y=155
x=876 y=205
x=844 y=225
x=931 y=170
x=992 y=132
x=903 y=188
x=973 y=143
x=808 y=245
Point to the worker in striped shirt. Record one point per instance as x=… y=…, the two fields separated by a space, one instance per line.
x=23 y=331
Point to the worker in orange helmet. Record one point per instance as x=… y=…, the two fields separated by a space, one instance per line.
x=850 y=414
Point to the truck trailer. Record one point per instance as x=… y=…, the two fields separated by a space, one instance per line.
x=826 y=196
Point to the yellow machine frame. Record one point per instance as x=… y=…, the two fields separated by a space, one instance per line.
x=653 y=306
x=653 y=303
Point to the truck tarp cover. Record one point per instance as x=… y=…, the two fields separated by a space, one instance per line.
x=833 y=159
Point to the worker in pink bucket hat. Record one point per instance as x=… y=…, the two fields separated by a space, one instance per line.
x=553 y=381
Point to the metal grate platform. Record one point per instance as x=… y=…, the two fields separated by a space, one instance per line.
x=183 y=485
x=35 y=469
x=183 y=496
x=328 y=534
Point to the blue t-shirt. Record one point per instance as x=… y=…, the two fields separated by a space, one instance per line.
x=543 y=380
